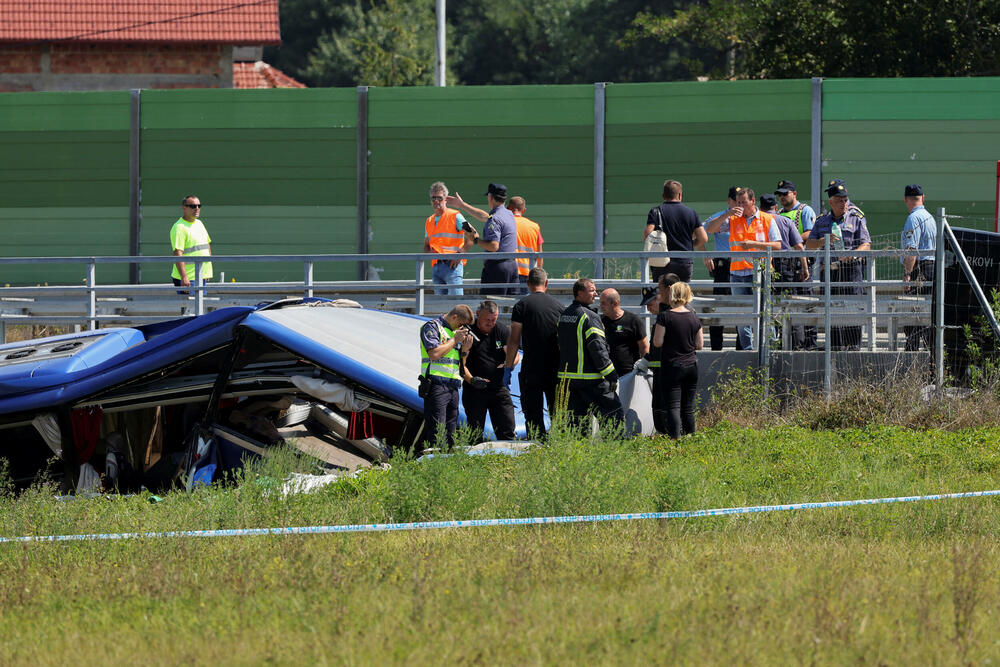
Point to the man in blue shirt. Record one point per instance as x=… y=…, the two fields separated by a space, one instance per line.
x=718 y=226
x=749 y=230
x=919 y=233
x=499 y=235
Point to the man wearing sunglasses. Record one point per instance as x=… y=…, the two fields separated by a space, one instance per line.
x=189 y=238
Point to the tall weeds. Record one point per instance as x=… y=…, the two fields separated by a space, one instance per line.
x=900 y=397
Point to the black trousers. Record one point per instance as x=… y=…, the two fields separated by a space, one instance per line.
x=440 y=412
x=850 y=271
x=499 y=271
x=682 y=268
x=597 y=397
x=497 y=402
x=720 y=274
x=536 y=391
x=679 y=388
x=922 y=280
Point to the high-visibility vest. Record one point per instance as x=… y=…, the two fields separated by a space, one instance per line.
x=795 y=215
x=740 y=230
x=447 y=366
x=529 y=235
x=192 y=239
x=443 y=236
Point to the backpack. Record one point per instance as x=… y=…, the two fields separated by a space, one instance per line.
x=657 y=242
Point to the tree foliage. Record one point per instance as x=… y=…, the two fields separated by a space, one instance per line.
x=392 y=42
x=836 y=38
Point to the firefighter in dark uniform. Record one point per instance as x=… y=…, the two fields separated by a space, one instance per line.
x=441 y=341
x=846 y=225
x=584 y=359
x=483 y=372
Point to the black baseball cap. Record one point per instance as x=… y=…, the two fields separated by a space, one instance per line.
x=498 y=190
x=768 y=202
x=784 y=187
x=734 y=191
x=648 y=294
x=836 y=188
x=913 y=190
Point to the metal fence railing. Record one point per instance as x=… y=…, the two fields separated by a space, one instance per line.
x=884 y=306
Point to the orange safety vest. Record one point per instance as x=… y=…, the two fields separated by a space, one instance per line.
x=740 y=230
x=444 y=236
x=529 y=239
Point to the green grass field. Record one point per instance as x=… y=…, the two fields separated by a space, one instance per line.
x=916 y=583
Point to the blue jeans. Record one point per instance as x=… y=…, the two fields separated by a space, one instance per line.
x=443 y=274
x=743 y=332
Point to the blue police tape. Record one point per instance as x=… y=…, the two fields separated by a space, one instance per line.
x=475 y=523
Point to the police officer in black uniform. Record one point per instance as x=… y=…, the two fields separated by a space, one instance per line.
x=484 y=389
x=584 y=359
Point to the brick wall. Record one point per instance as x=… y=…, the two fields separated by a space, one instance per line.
x=114 y=66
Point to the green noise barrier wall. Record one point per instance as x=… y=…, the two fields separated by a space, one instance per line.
x=317 y=171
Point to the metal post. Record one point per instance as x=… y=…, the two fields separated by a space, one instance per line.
x=362 y=177
x=91 y=295
x=309 y=280
x=199 y=289
x=134 y=185
x=827 y=359
x=938 y=302
x=872 y=304
x=439 y=79
x=755 y=291
x=764 y=331
x=599 y=113
x=816 y=143
x=420 y=287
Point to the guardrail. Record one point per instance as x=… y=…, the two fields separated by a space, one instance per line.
x=884 y=307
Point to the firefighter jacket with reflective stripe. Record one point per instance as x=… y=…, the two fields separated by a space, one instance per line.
x=446 y=367
x=444 y=236
x=529 y=237
x=583 y=349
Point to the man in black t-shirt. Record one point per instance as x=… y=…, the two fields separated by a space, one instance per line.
x=624 y=331
x=533 y=324
x=483 y=388
x=683 y=228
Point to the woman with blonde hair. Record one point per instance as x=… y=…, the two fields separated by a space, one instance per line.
x=678 y=334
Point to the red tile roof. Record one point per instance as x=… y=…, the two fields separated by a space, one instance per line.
x=261 y=75
x=250 y=22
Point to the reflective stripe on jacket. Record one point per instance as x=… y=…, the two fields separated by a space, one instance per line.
x=443 y=236
x=583 y=348
x=529 y=234
x=192 y=239
x=795 y=215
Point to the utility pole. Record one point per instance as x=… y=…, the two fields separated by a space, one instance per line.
x=439 y=78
